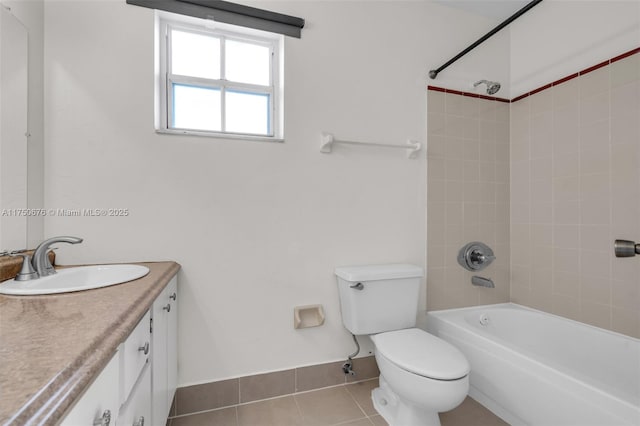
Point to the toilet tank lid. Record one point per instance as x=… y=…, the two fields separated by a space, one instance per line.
x=379 y=272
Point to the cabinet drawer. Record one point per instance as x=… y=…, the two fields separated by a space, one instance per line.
x=135 y=352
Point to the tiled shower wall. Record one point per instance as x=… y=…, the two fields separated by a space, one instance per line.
x=468 y=196
x=575 y=187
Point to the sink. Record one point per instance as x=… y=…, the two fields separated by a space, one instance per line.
x=75 y=279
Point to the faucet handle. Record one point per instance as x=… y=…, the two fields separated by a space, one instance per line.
x=26 y=272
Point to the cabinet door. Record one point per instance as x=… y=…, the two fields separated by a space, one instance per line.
x=164 y=363
x=172 y=342
x=100 y=401
x=137 y=409
x=135 y=353
x=160 y=311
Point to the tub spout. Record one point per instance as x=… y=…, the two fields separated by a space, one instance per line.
x=482 y=282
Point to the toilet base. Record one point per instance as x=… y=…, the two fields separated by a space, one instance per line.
x=400 y=413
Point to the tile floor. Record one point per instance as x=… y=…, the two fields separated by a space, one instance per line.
x=344 y=405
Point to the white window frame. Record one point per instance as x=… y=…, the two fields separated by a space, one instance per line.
x=165 y=79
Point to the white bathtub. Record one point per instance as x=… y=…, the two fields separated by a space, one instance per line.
x=534 y=368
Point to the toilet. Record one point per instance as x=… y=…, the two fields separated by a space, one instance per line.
x=420 y=374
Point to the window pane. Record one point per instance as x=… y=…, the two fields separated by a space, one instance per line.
x=195 y=55
x=247 y=63
x=196 y=108
x=247 y=113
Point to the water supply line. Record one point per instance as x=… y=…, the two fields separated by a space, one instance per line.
x=347 y=367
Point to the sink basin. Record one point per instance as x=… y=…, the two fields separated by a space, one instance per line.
x=75 y=279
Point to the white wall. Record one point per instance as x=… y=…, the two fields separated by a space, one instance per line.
x=561 y=37
x=257 y=227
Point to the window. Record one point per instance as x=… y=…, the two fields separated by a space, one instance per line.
x=218 y=82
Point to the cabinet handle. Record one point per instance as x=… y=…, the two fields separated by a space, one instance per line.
x=167 y=308
x=144 y=348
x=173 y=296
x=139 y=422
x=104 y=420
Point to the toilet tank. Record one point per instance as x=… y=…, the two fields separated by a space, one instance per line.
x=378 y=298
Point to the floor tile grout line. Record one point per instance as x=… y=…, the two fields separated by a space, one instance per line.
x=178 y=416
x=356 y=401
x=349 y=421
x=295 y=401
x=237 y=416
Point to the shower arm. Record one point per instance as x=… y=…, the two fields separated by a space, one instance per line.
x=434 y=73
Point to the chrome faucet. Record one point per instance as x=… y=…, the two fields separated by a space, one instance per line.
x=40 y=260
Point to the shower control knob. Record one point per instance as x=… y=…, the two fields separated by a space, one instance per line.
x=475 y=256
x=626 y=248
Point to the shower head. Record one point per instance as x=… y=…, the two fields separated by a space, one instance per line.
x=492 y=86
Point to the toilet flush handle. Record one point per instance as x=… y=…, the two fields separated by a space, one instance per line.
x=358 y=286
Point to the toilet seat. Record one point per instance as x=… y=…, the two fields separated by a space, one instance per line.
x=421 y=353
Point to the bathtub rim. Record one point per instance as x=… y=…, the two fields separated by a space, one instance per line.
x=528 y=308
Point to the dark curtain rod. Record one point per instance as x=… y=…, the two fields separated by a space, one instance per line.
x=434 y=73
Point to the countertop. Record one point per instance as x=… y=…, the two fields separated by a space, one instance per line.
x=52 y=347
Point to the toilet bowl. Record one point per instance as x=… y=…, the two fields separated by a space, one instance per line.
x=420 y=375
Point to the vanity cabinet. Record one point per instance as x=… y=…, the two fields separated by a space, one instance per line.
x=137 y=385
x=164 y=338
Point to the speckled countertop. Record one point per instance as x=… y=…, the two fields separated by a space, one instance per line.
x=52 y=347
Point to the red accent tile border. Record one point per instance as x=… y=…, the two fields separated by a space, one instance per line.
x=468 y=94
x=624 y=55
x=578 y=74
x=437 y=89
x=524 y=95
x=539 y=89
x=595 y=67
x=562 y=80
